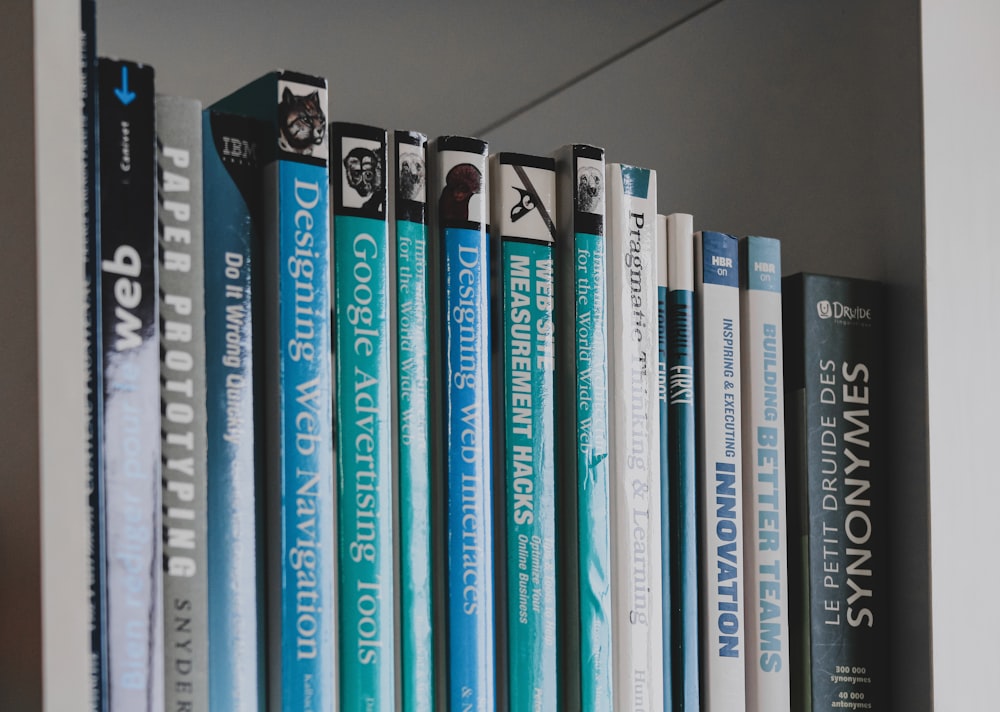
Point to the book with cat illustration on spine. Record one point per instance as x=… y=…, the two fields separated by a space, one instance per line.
x=296 y=355
x=523 y=210
x=836 y=391
x=637 y=632
x=583 y=535
x=183 y=395
x=717 y=331
x=460 y=389
x=362 y=416
x=130 y=438
x=407 y=200
x=233 y=223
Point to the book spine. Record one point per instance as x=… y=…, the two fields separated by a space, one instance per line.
x=634 y=428
x=582 y=484
x=663 y=405
x=462 y=225
x=411 y=405
x=718 y=335
x=296 y=356
x=835 y=381
x=232 y=199
x=183 y=396
x=131 y=380
x=363 y=417
x=523 y=212
x=300 y=396
x=682 y=471
x=95 y=393
x=766 y=530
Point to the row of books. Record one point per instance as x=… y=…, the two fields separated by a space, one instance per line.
x=378 y=423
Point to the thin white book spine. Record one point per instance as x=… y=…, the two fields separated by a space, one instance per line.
x=636 y=598
x=717 y=311
x=766 y=531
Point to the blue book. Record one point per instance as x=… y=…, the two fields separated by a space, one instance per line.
x=411 y=407
x=232 y=194
x=461 y=220
x=130 y=349
x=295 y=350
x=582 y=487
x=682 y=472
x=523 y=207
x=363 y=417
x=663 y=404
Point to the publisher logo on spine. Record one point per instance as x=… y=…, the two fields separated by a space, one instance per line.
x=846 y=313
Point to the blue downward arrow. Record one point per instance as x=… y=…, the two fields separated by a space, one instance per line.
x=124 y=95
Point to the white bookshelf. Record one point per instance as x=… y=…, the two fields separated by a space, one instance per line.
x=862 y=132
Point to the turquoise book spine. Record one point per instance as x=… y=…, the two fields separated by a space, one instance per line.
x=583 y=499
x=523 y=195
x=408 y=231
x=362 y=417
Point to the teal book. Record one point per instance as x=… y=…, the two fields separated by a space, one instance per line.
x=296 y=354
x=233 y=223
x=362 y=417
x=523 y=209
x=682 y=472
x=183 y=423
x=461 y=399
x=583 y=504
x=407 y=198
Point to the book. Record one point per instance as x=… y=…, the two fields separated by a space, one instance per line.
x=663 y=470
x=637 y=633
x=582 y=485
x=95 y=389
x=836 y=391
x=460 y=387
x=296 y=356
x=130 y=437
x=183 y=396
x=682 y=470
x=362 y=416
x=233 y=183
x=407 y=198
x=523 y=209
x=765 y=535
x=717 y=332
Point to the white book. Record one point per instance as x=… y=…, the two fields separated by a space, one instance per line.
x=766 y=531
x=717 y=309
x=636 y=596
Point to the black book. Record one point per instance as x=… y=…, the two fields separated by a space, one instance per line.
x=836 y=395
x=130 y=350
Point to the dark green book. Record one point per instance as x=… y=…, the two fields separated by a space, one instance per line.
x=836 y=392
